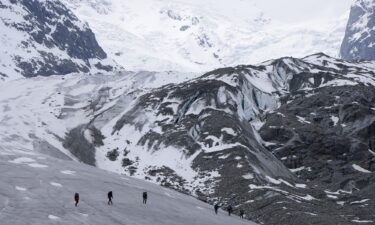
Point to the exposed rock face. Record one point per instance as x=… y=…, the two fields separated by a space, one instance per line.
x=45 y=38
x=359 y=41
x=326 y=137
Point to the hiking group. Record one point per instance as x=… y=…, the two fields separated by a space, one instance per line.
x=110 y=197
x=229 y=210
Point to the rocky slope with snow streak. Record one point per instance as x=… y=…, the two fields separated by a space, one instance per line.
x=205 y=136
x=359 y=41
x=45 y=38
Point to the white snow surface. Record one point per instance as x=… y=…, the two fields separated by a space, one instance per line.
x=44 y=204
x=193 y=35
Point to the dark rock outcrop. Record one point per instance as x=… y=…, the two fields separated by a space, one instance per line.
x=359 y=41
x=48 y=39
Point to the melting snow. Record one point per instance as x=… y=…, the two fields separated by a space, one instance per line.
x=248 y=176
x=22 y=160
x=297 y=169
x=359 y=202
x=362 y=221
x=224 y=156
x=229 y=131
x=301 y=185
x=308 y=197
x=302 y=120
x=332 y=196
x=340 y=202
x=21 y=188
x=360 y=169
x=69 y=172
x=55 y=184
x=279 y=181
x=222 y=147
x=335 y=120
x=52 y=217
x=37 y=165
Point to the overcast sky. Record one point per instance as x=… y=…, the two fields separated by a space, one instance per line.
x=285 y=11
x=292 y=10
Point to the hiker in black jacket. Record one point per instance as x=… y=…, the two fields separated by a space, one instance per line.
x=242 y=213
x=216 y=207
x=76 y=198
x=144 y=197
x=110 y=196
x=230 y=210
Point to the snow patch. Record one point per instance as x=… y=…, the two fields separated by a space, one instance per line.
x=18 y=188
x=248 y=176
x=55 y=184
x=297 y=169
x=360 y=169
x=303 y=120
x=68 y=172
x=361 y=201
x=52 y=217
x=301 y=185
x=229 y=131
x=335 y=120
x=22 y=160
x=37 y=165
x=362 y=221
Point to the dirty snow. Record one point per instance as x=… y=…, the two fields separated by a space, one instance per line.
x=360 y=169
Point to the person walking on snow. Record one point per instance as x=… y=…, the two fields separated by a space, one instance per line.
x=144 y=197
x=242 y=213
x=76 y=198
x=110 y=196
x=216 y=207
x=230 y=210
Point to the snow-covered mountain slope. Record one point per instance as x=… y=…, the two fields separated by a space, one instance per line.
x=201 y=136
x=359 y=41
x=44 y=38
x=36 y=116
x=35 y=189
x=187 y=35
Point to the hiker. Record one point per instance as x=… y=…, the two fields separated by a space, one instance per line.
x=216 y=207
x=110 y=196
x=230 y=210
x=144 y=197
x=76 y=198
x=242 y=213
